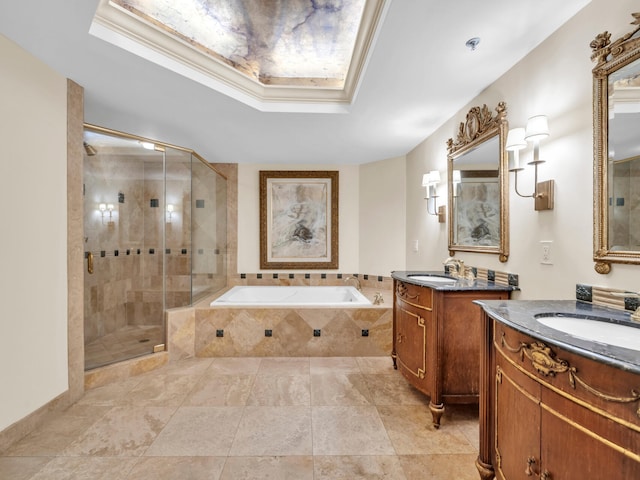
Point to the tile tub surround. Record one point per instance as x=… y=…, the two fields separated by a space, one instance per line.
x=292 y=331
x=192 y=331
x=217 y=418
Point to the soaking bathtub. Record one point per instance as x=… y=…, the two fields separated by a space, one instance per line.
x=295 y=296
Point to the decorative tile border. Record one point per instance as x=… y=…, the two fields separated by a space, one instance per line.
x=501 y=278
x=366 y=280
x=607 y=297
x=307 y=279
x=118 y=252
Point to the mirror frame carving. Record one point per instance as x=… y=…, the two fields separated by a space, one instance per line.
x=609 y=57
x=481 y=125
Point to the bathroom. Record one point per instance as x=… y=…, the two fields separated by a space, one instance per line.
x=43 y=358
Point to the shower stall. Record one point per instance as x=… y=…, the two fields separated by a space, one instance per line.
x=154 y=239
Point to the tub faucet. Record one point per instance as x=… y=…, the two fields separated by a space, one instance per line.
x=358 y=285
x=377 y=298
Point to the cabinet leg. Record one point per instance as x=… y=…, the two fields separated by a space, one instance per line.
x=485 y=470
x=436 y=413
x=395 y=364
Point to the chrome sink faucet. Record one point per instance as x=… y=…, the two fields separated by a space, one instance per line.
x=358 y=285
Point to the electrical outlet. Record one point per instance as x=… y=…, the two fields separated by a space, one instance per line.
x=545 y=252
x=415 y=246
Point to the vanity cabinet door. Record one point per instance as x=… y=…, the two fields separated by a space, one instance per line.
x=517 y=423
x=412 y=317
x=591 y=427
x=573 y=452
x=411 y=342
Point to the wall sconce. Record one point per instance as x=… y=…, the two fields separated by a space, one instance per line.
x=103 y=207
x=430 y=181
x=517 y=138
x=169 y=212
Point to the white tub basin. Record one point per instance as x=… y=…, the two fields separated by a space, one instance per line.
x=595 y=330
x=433 y=279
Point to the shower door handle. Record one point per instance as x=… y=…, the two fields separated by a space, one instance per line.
x=90 y=262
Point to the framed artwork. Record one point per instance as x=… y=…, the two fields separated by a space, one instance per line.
x=298 y=220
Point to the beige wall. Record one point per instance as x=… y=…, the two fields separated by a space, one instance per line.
x=33 y=244
x=382 y=216
x=249 y=214
x=372 y=216
x=555 y=79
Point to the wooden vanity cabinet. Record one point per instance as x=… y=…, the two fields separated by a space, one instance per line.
x=436 y=342
x=555 y=415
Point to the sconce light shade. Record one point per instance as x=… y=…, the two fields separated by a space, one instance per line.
x=169 y=208
x=457 y=178
x=103 y=207
x=515 y=139
x=431 y=179
x=537 y=128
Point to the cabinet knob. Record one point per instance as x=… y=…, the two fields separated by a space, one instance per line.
x=530 y=462
x=399 y=338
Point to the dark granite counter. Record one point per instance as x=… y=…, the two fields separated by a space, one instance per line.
x=521 y=315
x=459 y=285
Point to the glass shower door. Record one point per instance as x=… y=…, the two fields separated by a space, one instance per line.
x=155 y=239
x=124 y=238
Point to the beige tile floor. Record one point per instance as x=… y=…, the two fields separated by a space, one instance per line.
x=250 y=418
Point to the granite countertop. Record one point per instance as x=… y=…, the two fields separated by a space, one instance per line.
x=459 y=285
x=521 y=315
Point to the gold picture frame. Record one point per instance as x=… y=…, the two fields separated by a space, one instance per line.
x=298 y=220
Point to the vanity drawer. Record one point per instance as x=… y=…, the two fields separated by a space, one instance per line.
x=414 y=295
x=597 y=387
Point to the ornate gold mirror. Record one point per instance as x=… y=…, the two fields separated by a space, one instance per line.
x=616 y=114
x=478 y=184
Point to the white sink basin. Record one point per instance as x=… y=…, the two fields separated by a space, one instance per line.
x=595 y=330
x=433 y=279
